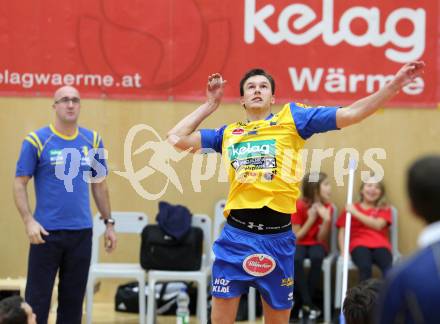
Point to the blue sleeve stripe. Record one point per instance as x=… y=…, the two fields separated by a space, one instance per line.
x=212 y=138
x=20 y=173
x=28 y=158
x=312 y=120
x=207 y=138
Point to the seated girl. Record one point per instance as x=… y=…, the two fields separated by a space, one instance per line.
x=369 y=236
x=311 y=224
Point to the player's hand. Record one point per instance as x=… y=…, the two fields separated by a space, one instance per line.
x=215 y=88
x=110 y=239
x=35 y=231
x=408 y=73
x=323 y=212
x=312 y=213
x=351 y=209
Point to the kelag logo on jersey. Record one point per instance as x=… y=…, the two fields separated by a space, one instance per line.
x=253 y=155
x=252 y=149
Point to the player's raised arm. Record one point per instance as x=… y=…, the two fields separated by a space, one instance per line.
x=364 y=107
x=184 y=135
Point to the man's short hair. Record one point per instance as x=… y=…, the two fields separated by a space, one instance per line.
x=255 y=72
x=360 y=302
x=424 y=187
x=11 y=311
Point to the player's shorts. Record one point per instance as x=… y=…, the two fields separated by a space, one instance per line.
x=263 y=261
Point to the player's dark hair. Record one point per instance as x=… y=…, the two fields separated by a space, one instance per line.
x=424 y=187
x=360 y=302
x=255 y=72
x=11 y=311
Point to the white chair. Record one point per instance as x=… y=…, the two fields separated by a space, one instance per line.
x=327 y=267
x=351 y=266
x=126 y=222
x=219 y=219
x=200 y=276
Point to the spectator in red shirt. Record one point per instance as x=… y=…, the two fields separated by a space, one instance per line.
x=369 y=236
x=311 y=223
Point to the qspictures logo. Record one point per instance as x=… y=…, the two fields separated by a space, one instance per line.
x=164 y=158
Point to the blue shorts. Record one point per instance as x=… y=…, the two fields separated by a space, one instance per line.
x=244 y=259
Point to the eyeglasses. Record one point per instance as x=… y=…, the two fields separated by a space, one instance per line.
x=66 y=100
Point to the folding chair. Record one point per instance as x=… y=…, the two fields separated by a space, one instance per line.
x=327 y=267
x=351 y=266
x=200 y=276
x=126 y=222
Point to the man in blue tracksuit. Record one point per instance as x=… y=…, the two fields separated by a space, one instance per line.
x=63 y=159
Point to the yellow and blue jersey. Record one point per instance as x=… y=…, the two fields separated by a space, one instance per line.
x=59 y=206
x=263 y=156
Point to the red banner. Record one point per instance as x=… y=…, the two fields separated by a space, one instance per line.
x=319 y=51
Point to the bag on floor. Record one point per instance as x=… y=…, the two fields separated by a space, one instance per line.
x=160 y=251
x=127 y=297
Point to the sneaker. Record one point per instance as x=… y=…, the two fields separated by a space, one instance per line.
x=314 y=313
x=304 y=312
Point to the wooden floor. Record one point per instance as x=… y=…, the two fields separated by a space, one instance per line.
x=105 y=314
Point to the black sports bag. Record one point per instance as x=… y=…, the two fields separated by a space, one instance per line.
x=162 y=252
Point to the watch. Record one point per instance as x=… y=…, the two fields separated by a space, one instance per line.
x=110 y=221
